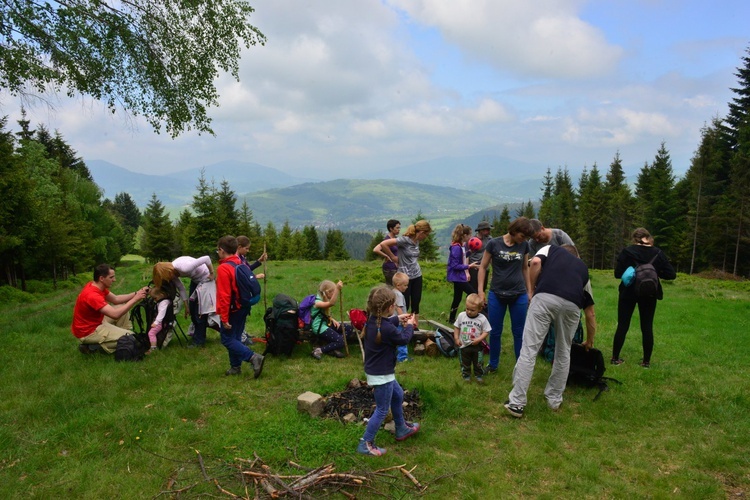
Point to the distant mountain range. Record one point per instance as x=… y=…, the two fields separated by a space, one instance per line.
x=445 y=190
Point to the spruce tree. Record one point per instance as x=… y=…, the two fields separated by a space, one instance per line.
x=157 y=242
x=335 y=247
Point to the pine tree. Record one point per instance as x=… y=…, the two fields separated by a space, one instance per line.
x=428 y=247
x=158 y=235
x=312 y=243
x=375 y=241
x=545 y=203
x=334 y=247
x=285 y=251
x=593 y=226
x=271 y=240
x=619 y=212
x=207 y=221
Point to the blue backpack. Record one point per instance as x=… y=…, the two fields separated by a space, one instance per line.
x=247 y=284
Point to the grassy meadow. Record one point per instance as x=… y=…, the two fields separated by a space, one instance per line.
x=76 y=426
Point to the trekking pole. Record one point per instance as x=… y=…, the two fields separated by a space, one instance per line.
x=341 y=315
x=265 y=305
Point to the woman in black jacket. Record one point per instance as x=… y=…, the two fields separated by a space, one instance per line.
x=642 y=252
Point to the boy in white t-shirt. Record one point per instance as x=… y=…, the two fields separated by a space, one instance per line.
x=400 y=282
x=470 y=329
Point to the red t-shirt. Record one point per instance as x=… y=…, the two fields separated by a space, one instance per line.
x=86 y=314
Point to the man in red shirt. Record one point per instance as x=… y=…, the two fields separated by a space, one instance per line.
x=231 y=313
x=100 y=317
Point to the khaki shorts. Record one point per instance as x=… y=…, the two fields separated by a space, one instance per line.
x=108 y=332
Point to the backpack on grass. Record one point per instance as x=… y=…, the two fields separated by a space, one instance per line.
x=445 y=342
x=282 y=332
x=646 y=282
x=132 y=347
x=247 y=284
x=587 y=369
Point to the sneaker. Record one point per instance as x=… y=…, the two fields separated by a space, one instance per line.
x=235 y=370
x=337 y=354
x=369 y=448
x=646 y=364
x=408 y=430
x=317 y=353
x=617 y=361
x=152 y=349
x=193 y=345
x=515 y=410
x=467 y=379
x=480 y=380
x=257 y=361
x=490 y=369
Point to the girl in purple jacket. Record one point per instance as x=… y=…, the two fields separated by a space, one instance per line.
x=458 y=268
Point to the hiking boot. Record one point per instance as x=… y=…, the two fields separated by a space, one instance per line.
x=409 y=429
x=490 y=369
x=617 y=361
x=235 y=370
x=514 y=410
x=87 y=349
x=369 y=448
x=317 y=353
x=337 y=354
x=257 y=361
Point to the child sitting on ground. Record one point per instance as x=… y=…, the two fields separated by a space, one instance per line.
x=382 y=335
x=162 y=300
x=470 y=329
x=321 y=322
x=400 y=283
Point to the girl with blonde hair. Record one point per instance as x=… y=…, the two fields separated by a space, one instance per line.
x=321 y=322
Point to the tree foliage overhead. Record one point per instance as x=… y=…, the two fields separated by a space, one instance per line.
x=159 y=59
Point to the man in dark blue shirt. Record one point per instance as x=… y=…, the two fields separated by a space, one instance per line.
x=561 y=288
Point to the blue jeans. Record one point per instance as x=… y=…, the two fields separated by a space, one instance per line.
x=387 y=396
x=496 y=307
x=232 y=338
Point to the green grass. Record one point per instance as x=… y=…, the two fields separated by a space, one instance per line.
x=87 y=427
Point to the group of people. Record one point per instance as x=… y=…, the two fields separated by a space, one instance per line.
x=528 y=261
x=537 y=277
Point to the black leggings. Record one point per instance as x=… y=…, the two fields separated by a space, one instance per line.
x=646 y=309
x=459 y=289
x=413 y=294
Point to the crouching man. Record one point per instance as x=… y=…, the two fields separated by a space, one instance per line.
x=100 y=317
x=561 y=288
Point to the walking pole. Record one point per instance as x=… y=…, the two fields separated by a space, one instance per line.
x=341 y=314
x=265 y=305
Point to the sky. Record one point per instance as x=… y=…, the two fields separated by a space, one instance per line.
x=344 y=87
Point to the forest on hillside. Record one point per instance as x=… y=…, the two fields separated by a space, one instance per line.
x=55 y=222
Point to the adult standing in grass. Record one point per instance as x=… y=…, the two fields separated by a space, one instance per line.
x=510 y=288
x=457 y=268
x=230 y=310
x=641 y=252
x=407 y=260
x=199 y=271
x=389 y=267
x=560 y=288
x=100 y=317
x=475 y=256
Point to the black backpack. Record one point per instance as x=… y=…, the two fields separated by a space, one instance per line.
x=587 y=369
x=445 y=342
x=132 y=347
x=646 y=279
x=282 y=329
